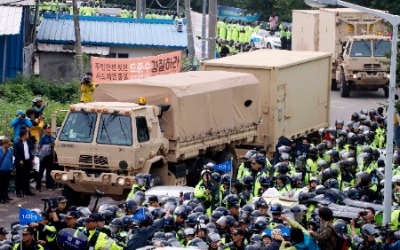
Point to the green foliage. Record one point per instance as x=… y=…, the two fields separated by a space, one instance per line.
x=18 y=93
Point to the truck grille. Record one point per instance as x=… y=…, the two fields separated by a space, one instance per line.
x=374 y=66
x=86 y=159
x=97 y=159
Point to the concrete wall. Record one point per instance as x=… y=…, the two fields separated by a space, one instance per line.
x=56 y=66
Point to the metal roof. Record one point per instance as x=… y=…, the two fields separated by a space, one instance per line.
x=111 y=31
x=10 y=20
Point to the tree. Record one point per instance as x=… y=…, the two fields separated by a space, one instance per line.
x=284 y=8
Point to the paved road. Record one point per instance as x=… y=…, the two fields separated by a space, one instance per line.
x=340 y=108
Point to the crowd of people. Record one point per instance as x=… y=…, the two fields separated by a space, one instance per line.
x=233 y=212
x=91 y=8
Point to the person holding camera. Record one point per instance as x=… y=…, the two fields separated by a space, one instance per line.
x=19 y=122
x=87 y=87
x=364 y=217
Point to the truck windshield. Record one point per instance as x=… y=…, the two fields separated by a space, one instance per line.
x=382 y=48
x=78 y=127
x=361 y=49
x=115 y=129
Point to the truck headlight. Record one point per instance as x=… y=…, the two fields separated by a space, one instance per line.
x=121 y=181
x=388 y=76
x=64 y=177
x=355 y=76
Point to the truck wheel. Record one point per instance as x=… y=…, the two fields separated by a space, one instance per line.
x=386 y=90
x=334 y=85
x=75 y=198
x=269 y=46
x=345 y=91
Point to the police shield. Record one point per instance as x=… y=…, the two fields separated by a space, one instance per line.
x=70 y=239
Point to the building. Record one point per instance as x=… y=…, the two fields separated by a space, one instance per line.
x=16 y=48
x=111 y=37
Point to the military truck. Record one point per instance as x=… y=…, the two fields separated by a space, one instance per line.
x=294 y=92
x=179 y=123
x=356 y=40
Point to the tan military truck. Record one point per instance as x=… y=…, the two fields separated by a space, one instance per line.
x=182 y=122
x=356 y=41
x=294 y=92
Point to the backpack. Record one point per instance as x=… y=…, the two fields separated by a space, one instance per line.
x=343 y=241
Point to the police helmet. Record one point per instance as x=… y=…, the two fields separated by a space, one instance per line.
x=265 y=181
x=226 y=179
x=320 y=189
x=339 y=122
x=131 y=206
x=369 y=230
x=245 y=212
x=216 y=177
x=276 y=208
x=107 y=215
x=352 y=193
x=170 y=235
x=248 y=180
x=322 y=164
x=213 y=237
x=260 y=224
x=215 y=215
x=140 y=180
x=116 y=225
x=181 y=211
x=331 y=183
x=355 y=116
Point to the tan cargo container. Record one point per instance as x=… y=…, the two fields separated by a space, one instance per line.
x=294 y=90
x=305 y=30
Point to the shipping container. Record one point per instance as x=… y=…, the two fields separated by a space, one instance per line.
x=305 y=30
x=294 y=89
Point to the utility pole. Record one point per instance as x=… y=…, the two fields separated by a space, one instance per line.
x=212 y=28
x=144 y=12
x=138 y=9
x=177 y=7
x=78 y=40
x=189 y=32
x=204 y=32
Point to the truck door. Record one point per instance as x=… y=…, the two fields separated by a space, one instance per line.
x=147 y=147
x=280 y=110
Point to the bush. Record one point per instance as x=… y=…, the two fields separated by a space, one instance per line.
x=18 y=93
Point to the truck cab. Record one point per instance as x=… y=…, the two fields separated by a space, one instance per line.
x=102 y=146
x=364 y=64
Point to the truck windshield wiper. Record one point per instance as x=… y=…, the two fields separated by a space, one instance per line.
x=89 y=122
x=123 y=130
x=104 y=128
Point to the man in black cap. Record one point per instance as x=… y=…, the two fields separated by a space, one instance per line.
x=62 y=205
x=45 y=234
x=3 y=234
x=70 y=220
x=238 y=240
x=28 y=240
x=97 y=239
x=101 y=223
x=153 y=201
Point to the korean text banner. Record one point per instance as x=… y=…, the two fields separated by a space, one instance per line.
x=236 y=13
x=106 y=70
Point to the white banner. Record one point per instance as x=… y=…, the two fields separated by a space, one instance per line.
x=197 y=22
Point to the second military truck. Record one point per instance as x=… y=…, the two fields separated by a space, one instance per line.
x=356 y=40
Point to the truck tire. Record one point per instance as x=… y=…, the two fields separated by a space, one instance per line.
x=345 y=90
x=334 y=85
x=269 y=46
x=386 y=90
x=75 y=198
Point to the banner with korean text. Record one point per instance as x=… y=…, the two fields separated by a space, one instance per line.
x=106 y=70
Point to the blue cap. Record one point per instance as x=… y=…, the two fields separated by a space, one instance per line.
x=20 y=112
